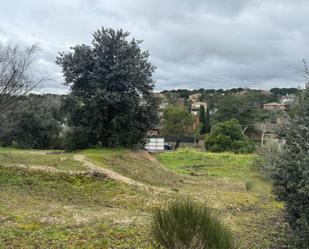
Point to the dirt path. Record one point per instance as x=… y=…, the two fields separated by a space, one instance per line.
x=114 y=175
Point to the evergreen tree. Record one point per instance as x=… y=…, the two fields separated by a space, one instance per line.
x=228 y=136
x=111 y=99
x=207 y=121
x=177 y=123
x=202 y=120
x=291 y=172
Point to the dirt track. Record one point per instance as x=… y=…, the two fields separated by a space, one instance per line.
x=113 y=175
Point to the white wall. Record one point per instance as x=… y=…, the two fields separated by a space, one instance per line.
x=155 y=144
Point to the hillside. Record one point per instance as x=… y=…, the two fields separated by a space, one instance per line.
x=66 y=201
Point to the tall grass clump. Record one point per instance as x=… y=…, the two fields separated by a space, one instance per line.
x=249 y=185
x=187 y=224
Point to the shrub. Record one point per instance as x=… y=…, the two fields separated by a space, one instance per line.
x=187 y=224
x=249 y=185
x=291 y=172
x=228 y=136
x=75 y=139
x=269 y=155
x=32 y=130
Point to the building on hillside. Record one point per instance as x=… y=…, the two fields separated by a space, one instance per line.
x=241 y=93
x=153 y=132
x=162 y=103
x=195 y=107
x=195 y=97
x=274 y=106
x=195 y=110
x=288 y=99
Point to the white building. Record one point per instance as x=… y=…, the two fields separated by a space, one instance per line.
x=195 y=107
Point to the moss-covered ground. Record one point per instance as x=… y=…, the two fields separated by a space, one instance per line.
x=42 y=209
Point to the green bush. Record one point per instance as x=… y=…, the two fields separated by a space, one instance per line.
x=269 y=154
x=228 y=136
x=249 y=185
x=32 y=130
x=187 y=224
x=75 y=139
x=291 y=172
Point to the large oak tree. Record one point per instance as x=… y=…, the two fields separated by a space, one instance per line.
x=111 y=100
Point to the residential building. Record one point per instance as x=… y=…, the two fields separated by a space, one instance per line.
x=195 y=97
x=195 y=107
x=288 y=99
x=274 y=106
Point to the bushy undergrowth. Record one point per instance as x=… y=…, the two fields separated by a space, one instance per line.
x=228 y=136
x=269 y=154
x=187 y=224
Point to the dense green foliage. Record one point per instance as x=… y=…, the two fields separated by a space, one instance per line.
x=186 y=224
x=228 y=136
x=202 y=119
x=111 y=100
x=291 y=172
x=284 y=91
x=236 y=107
x=207 y=122
x=34 y=123
x=177 y=122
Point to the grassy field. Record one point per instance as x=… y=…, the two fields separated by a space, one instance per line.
x=73 y=207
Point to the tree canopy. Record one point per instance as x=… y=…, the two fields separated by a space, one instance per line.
x=228 y=136
x=177 y=122
x=34 y=123
x=236 y=107
x=111 y=99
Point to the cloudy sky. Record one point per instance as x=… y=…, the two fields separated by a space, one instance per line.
x=193 y=43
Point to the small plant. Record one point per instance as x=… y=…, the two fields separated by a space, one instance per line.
x=249 y=185
x=187 y=224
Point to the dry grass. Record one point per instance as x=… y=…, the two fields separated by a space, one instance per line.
x=57 y=209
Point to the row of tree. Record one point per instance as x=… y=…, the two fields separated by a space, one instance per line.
x=111 y=101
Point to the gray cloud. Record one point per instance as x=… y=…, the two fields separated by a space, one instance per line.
x=193 y=43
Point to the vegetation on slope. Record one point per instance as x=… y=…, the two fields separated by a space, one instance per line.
x=88 y=210
x=138 y=165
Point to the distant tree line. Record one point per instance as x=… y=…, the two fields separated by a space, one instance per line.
x=111 y=102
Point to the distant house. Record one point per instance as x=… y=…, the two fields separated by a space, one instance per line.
x=274 y=106
x=153 y=132
x=288 y=99
x=195 y=107
x=195 y=97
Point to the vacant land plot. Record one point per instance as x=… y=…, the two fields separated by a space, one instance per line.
x=74 y=206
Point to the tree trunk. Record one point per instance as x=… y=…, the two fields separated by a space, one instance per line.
x=177 y=144
x=262 y=139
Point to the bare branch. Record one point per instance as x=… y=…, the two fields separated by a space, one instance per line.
x=16 y=79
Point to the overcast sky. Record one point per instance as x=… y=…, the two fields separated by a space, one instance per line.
x=193 y=43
